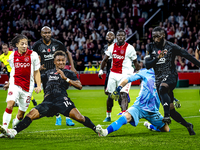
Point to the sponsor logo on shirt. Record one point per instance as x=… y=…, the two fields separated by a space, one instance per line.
x=161 y=61
x=48 y=50
x=48 y=57
x=53 y=78
x=118 y=56
x=22 y=65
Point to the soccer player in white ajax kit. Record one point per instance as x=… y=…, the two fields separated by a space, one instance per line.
x=122 y=54
x=25 y=66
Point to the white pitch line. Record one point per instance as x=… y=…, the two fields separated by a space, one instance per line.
x=86 y=127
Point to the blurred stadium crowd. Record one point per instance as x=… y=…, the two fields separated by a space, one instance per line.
x=82 y=24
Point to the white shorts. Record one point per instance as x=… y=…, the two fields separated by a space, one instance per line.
x=17 y=94
x=114 y=81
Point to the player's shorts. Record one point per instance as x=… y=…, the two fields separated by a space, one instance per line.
x=114 y=81
x=155 y=118
x=55 y=104
x=171 y=80
x=17 y=94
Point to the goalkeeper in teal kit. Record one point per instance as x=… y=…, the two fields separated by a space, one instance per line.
x=146 y=105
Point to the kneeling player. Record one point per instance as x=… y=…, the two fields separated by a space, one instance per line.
x=56 y=99
x=146 y=105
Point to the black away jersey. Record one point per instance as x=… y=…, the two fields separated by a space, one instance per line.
x=46 y=52
x=55 y=84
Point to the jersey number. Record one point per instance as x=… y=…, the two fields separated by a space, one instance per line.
x=67 y=103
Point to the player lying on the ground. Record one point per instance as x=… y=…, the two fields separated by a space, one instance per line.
x=56 y=99
x=146 y=105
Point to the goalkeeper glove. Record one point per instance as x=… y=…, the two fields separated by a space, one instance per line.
x=116 y=93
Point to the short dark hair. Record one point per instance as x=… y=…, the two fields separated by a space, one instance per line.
x=158 y=29
x=17 y=38
x=121 y=30
x=59 y=53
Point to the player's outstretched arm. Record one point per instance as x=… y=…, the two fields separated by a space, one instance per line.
x=103 y=64
x=37 y=78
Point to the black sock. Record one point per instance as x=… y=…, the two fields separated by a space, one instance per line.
x=178 y=118
x=23 y=124
x=88 y=123
x=165 y=99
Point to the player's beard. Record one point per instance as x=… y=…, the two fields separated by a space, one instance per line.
x=110 y=41
x=160 y=44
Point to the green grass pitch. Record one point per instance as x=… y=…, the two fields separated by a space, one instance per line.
x=42 y=134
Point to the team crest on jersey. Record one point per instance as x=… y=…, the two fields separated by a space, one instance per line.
x=10 y=93
x=66 y=98
x=159 y=52
x=26 y=59
x=53 y=49
x=122 y=51
x=48 y=50
x=55 y=73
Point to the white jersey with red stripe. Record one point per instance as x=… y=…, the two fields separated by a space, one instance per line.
x=23 y=67
x=122 y=58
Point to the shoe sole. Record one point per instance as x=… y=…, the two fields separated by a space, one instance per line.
x=69 y=125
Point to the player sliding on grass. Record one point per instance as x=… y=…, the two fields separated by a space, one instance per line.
x=56 y=98
x=146 y=105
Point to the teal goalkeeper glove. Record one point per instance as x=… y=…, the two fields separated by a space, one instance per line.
x=116 y=93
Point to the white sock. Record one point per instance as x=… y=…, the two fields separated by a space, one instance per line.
x=6 y=119
x=16 y=121
x=108 y=114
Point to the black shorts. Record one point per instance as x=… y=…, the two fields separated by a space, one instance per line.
x=171 y=80
x=55 y=104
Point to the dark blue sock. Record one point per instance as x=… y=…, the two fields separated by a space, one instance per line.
x=154 y=128
x=117 y=124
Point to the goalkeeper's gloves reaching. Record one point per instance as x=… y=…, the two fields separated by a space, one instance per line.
x=116 y=93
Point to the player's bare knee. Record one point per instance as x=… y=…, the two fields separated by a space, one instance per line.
x=33 y=114
x=128 y=116
x=80 y=118
x=10 y=104
x=165 y=128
